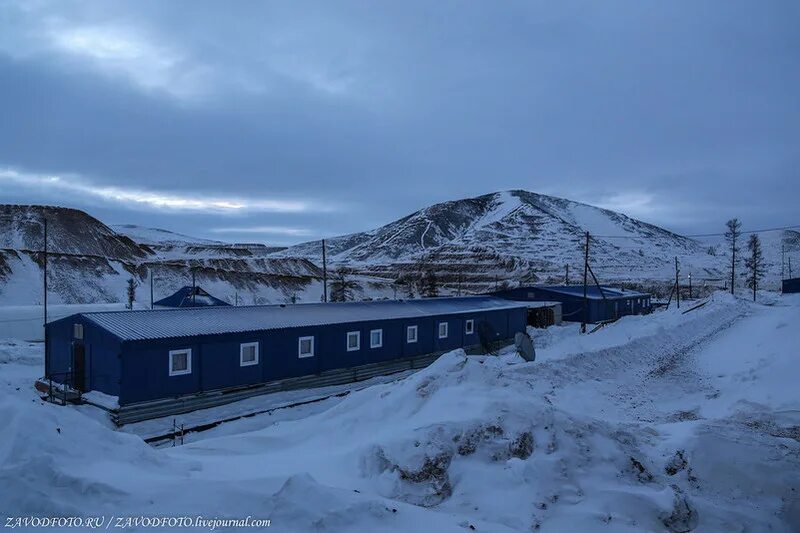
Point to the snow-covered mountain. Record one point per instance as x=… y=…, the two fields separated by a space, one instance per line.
x=471 y=245
x=89 y=262
x=144 y=235
x=523 y=235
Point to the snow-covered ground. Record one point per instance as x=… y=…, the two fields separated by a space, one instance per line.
x=668 y=422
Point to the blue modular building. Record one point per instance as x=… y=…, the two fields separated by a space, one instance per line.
x=790 y=285
x=609 y=304
x=190 y=297
x=144 y=356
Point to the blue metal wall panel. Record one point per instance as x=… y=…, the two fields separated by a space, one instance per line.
x=145 y=372
x=103 y=353
x=221 y=365
x=102 y=365
x=59 y=339
x=789 y=286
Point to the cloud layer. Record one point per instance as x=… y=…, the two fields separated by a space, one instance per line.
x=338 y=117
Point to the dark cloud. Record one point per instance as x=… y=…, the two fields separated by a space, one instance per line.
x=680 y=114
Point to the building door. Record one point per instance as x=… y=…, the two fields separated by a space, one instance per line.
x=79 y=366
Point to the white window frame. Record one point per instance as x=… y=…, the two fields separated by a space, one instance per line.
x=173 y=353
x=409 y=329
x=77 y=331
x=446 y=330
x=469 y=326
x=242 y=347
x=358 y=341
x=300 y=354
x=371 y=343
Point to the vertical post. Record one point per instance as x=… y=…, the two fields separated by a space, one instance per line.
x=585 y=287
x=566 y=278
x=783 y=261
x=44 y=280
x=690 y=285
x=733 y=259
x=677 y=285
x=150 y=273
x=790 y=266
x=324 y=273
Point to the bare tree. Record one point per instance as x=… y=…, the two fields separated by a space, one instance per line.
x=754 y=263
x=343 y=286
x=404 y=285
x=430 y=284
x=732 y=238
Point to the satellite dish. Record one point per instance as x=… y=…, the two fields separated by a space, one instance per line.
x=524 y=344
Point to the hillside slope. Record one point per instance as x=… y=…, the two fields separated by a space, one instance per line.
x=91 y=263
x=531 y=235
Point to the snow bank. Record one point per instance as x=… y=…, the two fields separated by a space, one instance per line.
x=669 y=422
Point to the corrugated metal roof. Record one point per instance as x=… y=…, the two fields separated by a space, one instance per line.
x=171 y=323
x=592 y=292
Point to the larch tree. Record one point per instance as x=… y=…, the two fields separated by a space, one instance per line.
x=732 y=236
x=343 y=286
x=754 y=263
x=131 y=292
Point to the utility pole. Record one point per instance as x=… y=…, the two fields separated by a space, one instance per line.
x=150 y=273
x=677 y=284
x=585 y=281
x=566 y=278
x=324 y=273
x=44 y=279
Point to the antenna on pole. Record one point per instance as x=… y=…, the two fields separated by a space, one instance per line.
x=324 y=273
x=44 y=280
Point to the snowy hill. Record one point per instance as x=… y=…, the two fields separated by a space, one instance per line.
x=528 y=234
x=144 y=235
x=90 y=263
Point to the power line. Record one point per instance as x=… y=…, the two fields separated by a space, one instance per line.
x=796 y=226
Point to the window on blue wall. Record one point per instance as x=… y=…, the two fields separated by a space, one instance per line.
x=248 y=354
x=376 y=338
x=353 y=341
x=180 y=362
x=305 y=347
x=442 y=330
x=77 y=331
x=411 y=334
x=469 y=327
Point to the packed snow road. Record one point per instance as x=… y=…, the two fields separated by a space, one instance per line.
x=668 y=422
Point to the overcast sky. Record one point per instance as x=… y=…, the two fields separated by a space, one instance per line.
x=280 y=122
